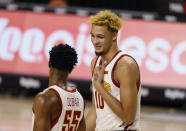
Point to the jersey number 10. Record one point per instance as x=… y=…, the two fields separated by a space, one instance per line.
x=99 y=101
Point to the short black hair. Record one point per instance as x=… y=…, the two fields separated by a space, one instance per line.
x=63 y=57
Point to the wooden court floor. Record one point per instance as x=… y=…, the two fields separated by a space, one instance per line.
x=16 y=115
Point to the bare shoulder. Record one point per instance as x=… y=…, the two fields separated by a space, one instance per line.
x=127 y=65
x=127 y=61
x=41 y=99
x=45 y=100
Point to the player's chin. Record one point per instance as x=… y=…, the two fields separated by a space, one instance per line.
x=99 y=53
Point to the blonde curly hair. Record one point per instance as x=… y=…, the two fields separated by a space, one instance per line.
x=108 y=18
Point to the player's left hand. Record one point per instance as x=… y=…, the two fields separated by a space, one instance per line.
x=98 y=75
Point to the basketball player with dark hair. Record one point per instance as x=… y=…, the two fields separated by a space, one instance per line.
x=116 y=79
x=60 y=107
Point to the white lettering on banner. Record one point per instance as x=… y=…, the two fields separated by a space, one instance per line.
x=119 y=35
x=130 y=43
x=3 y=24
x=32 y=45
x=29 y=83
x=174 y=94
x=179 y=67
x=160 y=61
x=9 y=43
x=59 y=35
x=89 y=48
x=144 y=92
x=81 y=41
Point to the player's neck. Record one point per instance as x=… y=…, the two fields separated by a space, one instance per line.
x=110 y=54
x=63 y=84
x=58 y=80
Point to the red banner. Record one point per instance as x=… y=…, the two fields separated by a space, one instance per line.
x=26 y=37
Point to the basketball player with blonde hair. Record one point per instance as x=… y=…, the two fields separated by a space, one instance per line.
x=116 y=79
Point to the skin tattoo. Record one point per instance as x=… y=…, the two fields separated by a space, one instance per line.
x=95 y=77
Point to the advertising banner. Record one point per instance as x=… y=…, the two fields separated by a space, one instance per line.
x=26 y=38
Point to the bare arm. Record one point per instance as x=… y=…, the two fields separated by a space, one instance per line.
x=82 y=125
x=42 y=121
x=127 y=75
x=91 y=116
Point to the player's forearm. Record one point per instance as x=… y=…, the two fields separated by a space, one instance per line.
x=41 y=127
x=115 y=105
x=82 y=125
x=90 y=127
x=90 y=121
x=41 y=124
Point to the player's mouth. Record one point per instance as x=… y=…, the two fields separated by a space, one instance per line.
x=98 y=47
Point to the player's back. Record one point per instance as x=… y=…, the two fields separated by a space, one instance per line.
x=71 y=111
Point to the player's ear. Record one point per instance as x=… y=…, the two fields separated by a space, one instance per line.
x=114 y=36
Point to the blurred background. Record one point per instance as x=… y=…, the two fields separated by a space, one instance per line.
x=153 y=32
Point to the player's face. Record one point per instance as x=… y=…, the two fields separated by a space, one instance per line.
x=101 y=38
